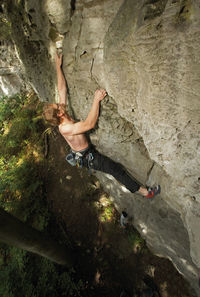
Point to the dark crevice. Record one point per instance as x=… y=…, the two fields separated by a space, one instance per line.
x=154 y=8
x=182 y=10
x=30 y=17
x=32 y=10
x=83 y=53
x=159 y=26
x=150 y=170
x=73 y=6
x=152 y=1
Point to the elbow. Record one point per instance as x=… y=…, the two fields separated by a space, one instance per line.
x=92 y=126
x=89 y=125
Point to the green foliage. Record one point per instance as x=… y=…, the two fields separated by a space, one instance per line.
x=9 y=106
x=5 y=28
x=107 y=214
x=11 y=270
x=22 y=194
x=25 y=274
x=136 y=241
x=106 y=209
x=21 y=188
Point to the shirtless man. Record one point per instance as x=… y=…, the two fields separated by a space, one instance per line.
x=83 y=154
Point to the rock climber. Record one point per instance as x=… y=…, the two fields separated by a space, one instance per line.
x=82 y=152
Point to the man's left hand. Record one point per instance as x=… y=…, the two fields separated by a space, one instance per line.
x=100 y=94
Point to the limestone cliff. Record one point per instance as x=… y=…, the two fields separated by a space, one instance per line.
x=146 y=55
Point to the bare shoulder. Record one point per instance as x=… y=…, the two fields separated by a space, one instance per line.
x=65 y=128
x=73 y=128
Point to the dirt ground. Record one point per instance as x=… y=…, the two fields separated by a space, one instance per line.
x=109 y=258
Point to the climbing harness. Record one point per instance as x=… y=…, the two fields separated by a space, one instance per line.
x=124 y=219
x=90 y=159
x=70 y=158
x=78 y=158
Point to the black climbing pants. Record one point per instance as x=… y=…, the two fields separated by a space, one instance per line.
x=105 y=164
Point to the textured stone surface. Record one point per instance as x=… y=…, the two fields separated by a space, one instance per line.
x=162 y=51
x=30 y=30
x=161 y=226
x=11 y=70
x=59 y=13
x=146 y=54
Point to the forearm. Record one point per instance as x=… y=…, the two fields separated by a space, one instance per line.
x=62 y=87
x=89 y=123
x=93 y=114
x=60 y=79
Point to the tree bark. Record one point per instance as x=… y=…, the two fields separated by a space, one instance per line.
x=15 y=232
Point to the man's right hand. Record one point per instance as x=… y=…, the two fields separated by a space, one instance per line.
x=100 y=94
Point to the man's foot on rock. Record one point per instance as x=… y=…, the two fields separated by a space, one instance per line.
x=152 y=192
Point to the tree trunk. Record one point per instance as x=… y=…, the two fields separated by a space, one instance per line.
x=15 y=232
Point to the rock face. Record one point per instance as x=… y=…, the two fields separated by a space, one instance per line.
x=146 y=54
x=11 y=70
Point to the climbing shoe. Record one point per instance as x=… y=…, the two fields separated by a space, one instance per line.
x=152 y=192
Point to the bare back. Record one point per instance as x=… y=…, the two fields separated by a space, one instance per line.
x=76 y=142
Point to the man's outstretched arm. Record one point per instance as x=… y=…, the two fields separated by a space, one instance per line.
x=94 y=111
x=89 y=123
x=62 y=87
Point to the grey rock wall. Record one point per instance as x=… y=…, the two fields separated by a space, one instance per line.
x=11 y=70
x=146 y=54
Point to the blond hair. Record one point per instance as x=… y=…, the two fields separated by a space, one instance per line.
x=50 y=113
